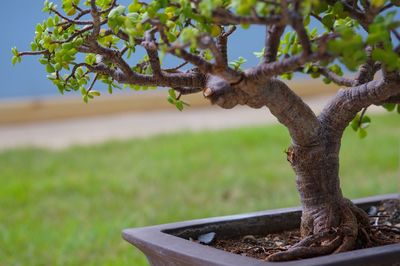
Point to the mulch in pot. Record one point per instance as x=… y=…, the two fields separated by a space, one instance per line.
x=384 y=219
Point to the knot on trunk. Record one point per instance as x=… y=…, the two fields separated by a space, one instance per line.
x=224 y=94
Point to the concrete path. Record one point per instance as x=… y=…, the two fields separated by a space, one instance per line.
x=82 y=131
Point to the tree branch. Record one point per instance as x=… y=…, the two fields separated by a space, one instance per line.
x=348 y=102
x=272 y=41
x=366 y=71
x=222 y=43
x=393 y=99
x=266 y=71
x=283 y=103
x=207 y=42
x=341 y=81
x=72 y=21
x=297 y=24
x=151 y=49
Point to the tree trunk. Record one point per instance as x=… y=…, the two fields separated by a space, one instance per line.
x=330 y=223
x=317 y=177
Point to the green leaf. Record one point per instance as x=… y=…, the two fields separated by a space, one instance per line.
x=85 y=98
x=259 y=54
x=14 y=60
x=362 y=133
x=378 y=3
x=50 y=68
x=336 y=69
x=365 y=122
x=355 y=123
x=94 y=93
x=171 y=100
x=179 y=105
x=326 y=80
x=388 y=57
x=389 y=106
x=14 y=51
x=135 y=6
x=306 y=20
x=238 y=63
x=328 y=21
x=172 y=93
x=287 y=76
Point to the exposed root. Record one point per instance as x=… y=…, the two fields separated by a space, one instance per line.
x=352 y=229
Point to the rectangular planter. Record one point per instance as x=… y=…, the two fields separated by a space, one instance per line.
x=168 y=244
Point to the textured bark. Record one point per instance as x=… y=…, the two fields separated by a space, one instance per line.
x=330 y=223
x=283 y=103
x=317 y=178
x=348 y=102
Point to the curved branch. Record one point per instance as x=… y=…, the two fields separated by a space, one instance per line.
x=274 y=33
x=297 y=24
x=348 y=102
x=222 y=43
x=151 y=49
x=182 y=80
x=292 y=112
x=283 y=103
x=392 y=99
x=72 y=21
x=341 y=81
x=266 y=71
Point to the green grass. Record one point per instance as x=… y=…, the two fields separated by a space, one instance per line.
x=69 y=207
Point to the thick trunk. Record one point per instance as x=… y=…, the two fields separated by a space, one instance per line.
x=329 y=223
x=317 y=177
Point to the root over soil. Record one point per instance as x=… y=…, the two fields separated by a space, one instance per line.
x=355 y=231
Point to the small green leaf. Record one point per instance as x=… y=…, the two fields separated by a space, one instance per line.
x=306 y=20
x=328 y=21
x=14 y=60
x=85 y=98
x=365 y=122
x=134 y=7
x=50 y=68
x=179 y=105
x=94 y=93
x=172 y=93
x=238 y=63
x=354 y=124
x=389 y=106
x=326 y=80
x=171 y=100
x=362 y=133
x=14 y=51
x=378 y=3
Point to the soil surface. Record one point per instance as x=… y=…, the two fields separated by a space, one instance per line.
x=384 y=219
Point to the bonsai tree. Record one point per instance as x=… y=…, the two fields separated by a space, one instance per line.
x=91 y=41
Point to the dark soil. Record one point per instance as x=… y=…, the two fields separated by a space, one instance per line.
x=384 y=219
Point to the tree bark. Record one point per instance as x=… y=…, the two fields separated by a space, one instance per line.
x=317 y=178
x=330 y=223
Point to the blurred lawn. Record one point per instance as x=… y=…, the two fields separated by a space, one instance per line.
x=69 y=207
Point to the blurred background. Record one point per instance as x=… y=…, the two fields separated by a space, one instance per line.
x=73 y=175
